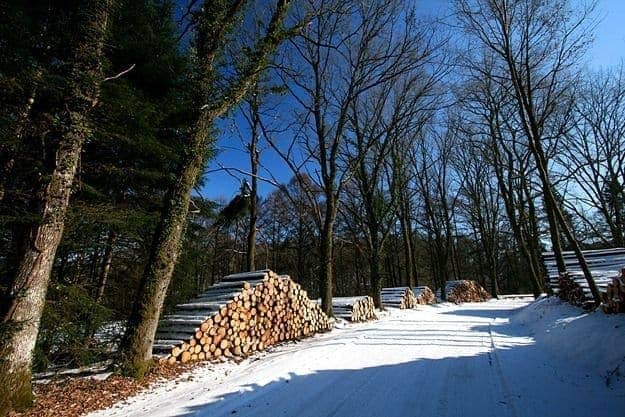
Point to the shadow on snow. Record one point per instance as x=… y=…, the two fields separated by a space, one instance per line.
x=516 y=379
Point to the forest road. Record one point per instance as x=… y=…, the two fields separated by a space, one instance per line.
x=468 y=360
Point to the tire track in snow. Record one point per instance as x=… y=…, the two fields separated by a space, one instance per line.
x=505 y=387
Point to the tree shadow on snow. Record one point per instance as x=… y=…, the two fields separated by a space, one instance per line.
x=485 y=313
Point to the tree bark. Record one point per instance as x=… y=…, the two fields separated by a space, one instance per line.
x=376 y=278
x=327 y=261
x=30 y=284
x=254 y=161
x=136 y=347
x=556 y=243
x=557 y=213
x=407 y=238
x=409 y=281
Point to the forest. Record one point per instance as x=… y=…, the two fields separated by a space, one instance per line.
x=417 y=150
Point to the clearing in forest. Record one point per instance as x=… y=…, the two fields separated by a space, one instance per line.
x=486 y=359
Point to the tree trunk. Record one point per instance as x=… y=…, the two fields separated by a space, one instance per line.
x=406 y=231
x=494 y=287
x=409 y=281
x=376 y=278
x=533 y=242
x=554 y=210
x=326 y=249
x=254 y=161
x=505 y=187
x=102 y=279
x=413 y=252
x=106 y=265
x=29 y=287
x=556 y=243
x=136 y=346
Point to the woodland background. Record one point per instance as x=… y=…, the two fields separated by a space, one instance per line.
x=405 y=137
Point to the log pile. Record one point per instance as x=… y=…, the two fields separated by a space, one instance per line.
x=466 y=291
x=354 y=309
x=604 y=265
x=242 y=314
x=614 y=298
x=570 y=290
x=399 y=297
x=425 y=295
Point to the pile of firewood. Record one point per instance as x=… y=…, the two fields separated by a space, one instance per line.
x=614 y=298
x=570 y=291
x=466 y=292
x=354 y=309
x=425 y=295
x=399 y=297
x=268 y=311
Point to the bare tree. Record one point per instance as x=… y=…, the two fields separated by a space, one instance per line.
x=481 y=204
x=392 y=112
x=537 y=46
x=593 y=153
x=349 y=48
x=438 y=188
x=253 y=119
x=490 y=125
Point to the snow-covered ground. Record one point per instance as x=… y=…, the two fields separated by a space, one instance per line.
x=488 y=359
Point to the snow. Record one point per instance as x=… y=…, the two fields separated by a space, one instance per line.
x=484 y=359
x=594 y=341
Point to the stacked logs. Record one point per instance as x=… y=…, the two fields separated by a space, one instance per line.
x=425 y=295
x=466 y=291
x=271 y=311
x=399 y=297
x=570 y=291
x=354 y=309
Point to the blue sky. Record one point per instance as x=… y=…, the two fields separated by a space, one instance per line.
x=608 y=50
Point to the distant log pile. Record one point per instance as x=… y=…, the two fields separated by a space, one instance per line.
x=425 y=295
x=242 y=314
x=354 y=309
x=466 y=291
x=399 y=297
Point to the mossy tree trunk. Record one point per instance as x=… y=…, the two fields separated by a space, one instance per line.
x=214 y=24
x=29 y=285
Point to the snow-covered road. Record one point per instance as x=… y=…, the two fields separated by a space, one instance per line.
x=445 y=360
